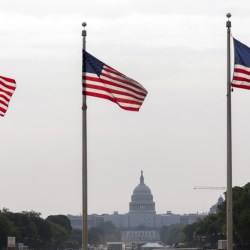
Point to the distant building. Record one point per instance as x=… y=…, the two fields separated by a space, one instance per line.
x=141 y=224
x=191 y=218
x=75 y=221
x=94 y=220
x=214 y=208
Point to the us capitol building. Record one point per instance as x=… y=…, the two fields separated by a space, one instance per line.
x=141 y=223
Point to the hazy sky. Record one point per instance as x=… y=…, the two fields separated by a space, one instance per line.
x=176 y=49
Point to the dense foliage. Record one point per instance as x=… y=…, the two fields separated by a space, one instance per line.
x=55 y=232
x=241 y=216
x=207 y=232
x=29 y=228
x=172 y=235
x=104 y=233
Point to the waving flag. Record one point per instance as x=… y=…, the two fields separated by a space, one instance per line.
x=7 y=88
x=100 y=80
x=241 y=76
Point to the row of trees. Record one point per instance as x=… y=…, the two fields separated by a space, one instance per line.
x=204 y=233
x=207 y=232
x=29 y=228
x=104 y=233
x=55 y=232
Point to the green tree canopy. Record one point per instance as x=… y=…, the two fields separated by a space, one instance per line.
x=96 y=236
x=7 y=228
x=61 y=220
x=172 y=235
x=213 y=227
x=104 y=233
x=110 y=231
x=32 y=230
x=60 y=236
x=241 y=215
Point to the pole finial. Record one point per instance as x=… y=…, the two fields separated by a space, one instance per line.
x=228 y=23
x=84 y=33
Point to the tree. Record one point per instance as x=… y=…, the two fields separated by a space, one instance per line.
x=60 y=236
x=61 y=220
x=44 y=232
x=209 y=231
x=241 y=216
x=96 y=236
x=25 y=226
x=190 y=231
x=110 y=231
x=105 y=232
x=172 y=235
x=76 y=238
x=243 y=227
x=32 y=230
x=211 y=228
x=61 y=230
x=7 y=228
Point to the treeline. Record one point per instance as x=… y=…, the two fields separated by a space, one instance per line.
x=105 y=232
x=206 y=232
x=55 y=232
x=29 y=228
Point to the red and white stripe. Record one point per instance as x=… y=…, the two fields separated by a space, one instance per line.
x=241 y=77
x=7 y=88
x=116 y=87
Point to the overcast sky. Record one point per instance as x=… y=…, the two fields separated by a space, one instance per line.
x=176 y=49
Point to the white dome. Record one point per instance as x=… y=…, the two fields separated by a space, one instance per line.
x=142 y=199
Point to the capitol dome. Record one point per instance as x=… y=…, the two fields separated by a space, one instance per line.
x=142 y=199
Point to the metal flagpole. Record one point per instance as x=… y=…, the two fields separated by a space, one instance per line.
x=84 y=158
x=229 y=143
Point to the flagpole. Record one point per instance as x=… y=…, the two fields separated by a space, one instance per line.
x=84 y=157
x=229 y=143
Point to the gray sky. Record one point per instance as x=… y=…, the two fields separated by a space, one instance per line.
x=175 y=48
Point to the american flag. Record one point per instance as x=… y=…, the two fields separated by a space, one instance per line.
x=7 y=88
x=100 y=80
x=241 y=76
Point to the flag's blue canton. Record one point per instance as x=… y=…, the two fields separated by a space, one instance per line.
x=92 y=64
x=242 y=53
